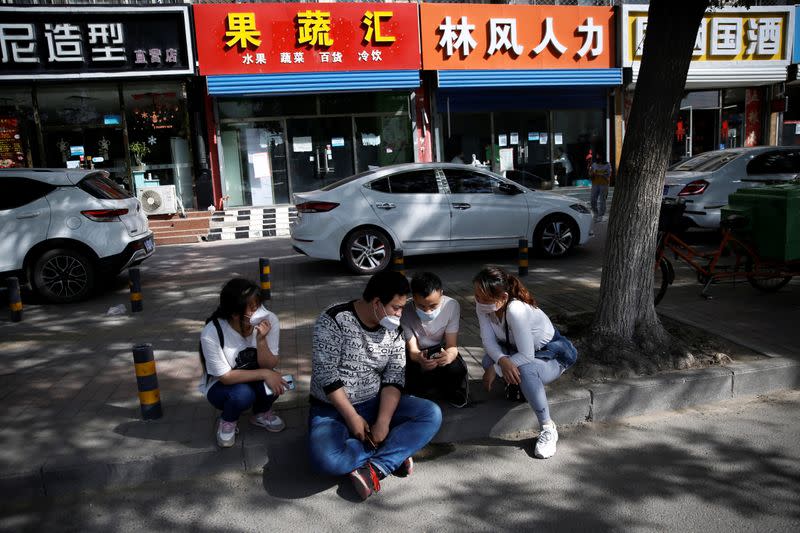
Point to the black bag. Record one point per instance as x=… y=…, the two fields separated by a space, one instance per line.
x=513 y=392
x=200 y=350
x=247 y=359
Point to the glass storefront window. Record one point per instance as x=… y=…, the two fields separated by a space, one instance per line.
x=82 y=127
x=282 y=106
x=18 y=140
x=320 y=151
x=467 y=138
x=577 y=136
x=382 y=141
x=254 y=170
x=732 y=127
x=158 y=137
x=522 y=142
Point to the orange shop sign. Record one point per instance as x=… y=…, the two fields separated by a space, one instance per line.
x=482 y=37
x=260 y=38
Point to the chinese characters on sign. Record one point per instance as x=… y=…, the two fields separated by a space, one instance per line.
x=471 y=36
x=45 y=42
x=263 y=38
x=727 y=36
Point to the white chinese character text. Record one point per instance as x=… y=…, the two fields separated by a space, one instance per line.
x=63 y=43
x=549 y=38
x=107 y=34
x=725 y=36
x=286 y=57
x=298 y=57
x=455 y=36
x=591 y=34
x=12 y=49
x=763 y=36
x=503 y=35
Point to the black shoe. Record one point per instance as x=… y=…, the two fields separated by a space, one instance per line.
x=458 y=399
x=405 y=469
x=365 y=481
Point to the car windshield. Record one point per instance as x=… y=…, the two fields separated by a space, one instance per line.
x=707 y=162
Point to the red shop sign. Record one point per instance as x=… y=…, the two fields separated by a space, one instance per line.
x=269 y=38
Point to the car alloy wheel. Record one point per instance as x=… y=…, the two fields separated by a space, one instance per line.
x=367 y=251
x=555 y=236
x=63 y=275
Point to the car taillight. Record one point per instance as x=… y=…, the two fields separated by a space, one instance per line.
x=104 y=215
x=316 y=207
x=695 y=187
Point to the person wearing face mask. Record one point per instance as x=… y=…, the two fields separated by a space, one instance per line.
x=521 y=345
x=360 y=423
x=430 y=326
x=239 y=359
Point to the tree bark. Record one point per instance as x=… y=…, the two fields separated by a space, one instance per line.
x=626 y=313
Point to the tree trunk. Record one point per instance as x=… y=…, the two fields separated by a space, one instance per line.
x=626 y=314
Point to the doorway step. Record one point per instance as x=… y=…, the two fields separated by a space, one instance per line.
x=251 y=222
x=172 y=229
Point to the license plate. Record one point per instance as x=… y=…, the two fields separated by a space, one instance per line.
x=148 y=244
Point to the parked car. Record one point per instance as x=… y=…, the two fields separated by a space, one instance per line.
x=425 y=208
x=62 y=230
x=705 y=180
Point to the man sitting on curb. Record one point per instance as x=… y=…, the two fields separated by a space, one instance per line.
x=430 y=327
x=360 y=423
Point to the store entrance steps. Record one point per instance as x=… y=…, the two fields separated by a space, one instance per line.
x=251 y=222
x=173 y=229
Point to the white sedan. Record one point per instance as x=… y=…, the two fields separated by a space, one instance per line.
x=425 y=208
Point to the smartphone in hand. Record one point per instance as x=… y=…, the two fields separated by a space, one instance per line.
x=434 y=352
x=369 y=441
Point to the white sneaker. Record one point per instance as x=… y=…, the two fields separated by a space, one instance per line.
x=269 y=421
x=546 y=443
x=226 y=433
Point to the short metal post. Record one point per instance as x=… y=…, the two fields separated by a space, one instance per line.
x=523 y=257
x=398 y=262
x=14 y=299
x=136 y=290
x=147 y=381
x=264 y=274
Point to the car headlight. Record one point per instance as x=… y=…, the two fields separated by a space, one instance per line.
x=581 y=208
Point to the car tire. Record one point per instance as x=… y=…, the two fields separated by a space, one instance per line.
x=63 y=275
x=555 y=236
x=367 y=251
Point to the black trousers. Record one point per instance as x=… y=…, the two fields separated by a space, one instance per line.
x=442 y=379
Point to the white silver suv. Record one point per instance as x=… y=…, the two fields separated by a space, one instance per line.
x=63 y=230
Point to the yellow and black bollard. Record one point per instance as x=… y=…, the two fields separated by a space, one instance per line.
x=264 y=274
x=136 y=290
x=147 y=381
x=523 y=257
x=14 y=300
x=398 y=262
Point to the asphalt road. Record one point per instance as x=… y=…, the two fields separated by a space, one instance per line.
x=723 y=467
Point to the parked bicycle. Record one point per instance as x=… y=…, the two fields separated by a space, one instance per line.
x=734 y=259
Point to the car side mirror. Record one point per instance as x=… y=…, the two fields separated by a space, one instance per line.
x=507 y=188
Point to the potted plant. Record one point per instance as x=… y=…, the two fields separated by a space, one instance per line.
x=139 y=149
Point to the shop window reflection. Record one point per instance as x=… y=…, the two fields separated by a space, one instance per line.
x=382 y=141
x=18 y=143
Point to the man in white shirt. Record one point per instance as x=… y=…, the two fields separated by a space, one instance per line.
x=430 y=327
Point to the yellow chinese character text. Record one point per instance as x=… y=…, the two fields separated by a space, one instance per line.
x=313 y=28
x=372 y=20
x=242 y=30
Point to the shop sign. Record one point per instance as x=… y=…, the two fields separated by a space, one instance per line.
x=475 y=37
x=94 y=42
x=725 y=37
x=307 y=37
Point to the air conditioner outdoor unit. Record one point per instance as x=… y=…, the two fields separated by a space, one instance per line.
x=159 y=200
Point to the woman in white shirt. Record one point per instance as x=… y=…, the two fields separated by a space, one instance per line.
x=521 y=345
x=239 y=360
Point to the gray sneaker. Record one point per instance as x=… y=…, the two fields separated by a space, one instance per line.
x=546 y=443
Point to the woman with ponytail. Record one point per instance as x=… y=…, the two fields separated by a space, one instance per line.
x=239 y=352
x=521 y=345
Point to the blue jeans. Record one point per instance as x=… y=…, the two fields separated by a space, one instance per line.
x=336 y=452
x=599 y=195
x=533 y=377
x=233 y=400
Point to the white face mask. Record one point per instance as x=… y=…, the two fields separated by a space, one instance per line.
x=429 y=315
x=389 y=322
x=485 y=308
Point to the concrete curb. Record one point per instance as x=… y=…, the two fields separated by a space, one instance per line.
x=492 y=418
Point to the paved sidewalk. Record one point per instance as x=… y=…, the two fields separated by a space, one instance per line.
x=71 y=417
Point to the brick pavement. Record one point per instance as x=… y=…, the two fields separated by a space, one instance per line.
x=67 y=381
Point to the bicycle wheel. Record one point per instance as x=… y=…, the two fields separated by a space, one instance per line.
x=661 y=279
x=764 y=280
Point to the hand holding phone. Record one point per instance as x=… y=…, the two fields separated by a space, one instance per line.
x=433 y=352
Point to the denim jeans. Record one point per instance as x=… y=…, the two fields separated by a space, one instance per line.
x=533 y=377
x=336 y=452
x=233 y=400
x=599 y=195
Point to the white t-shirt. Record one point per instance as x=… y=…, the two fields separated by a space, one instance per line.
x=431 y=333
x=221 y=361
x=529 y=329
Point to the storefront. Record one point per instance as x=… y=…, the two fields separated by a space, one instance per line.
x=524 y=90
x=98 y=87
x=303 y=95
x=734 y=88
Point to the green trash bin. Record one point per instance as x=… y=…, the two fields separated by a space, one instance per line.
x=774 y=213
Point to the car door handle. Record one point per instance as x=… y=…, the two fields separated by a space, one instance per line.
x=385 y=205
x=461 y=206
x=29 y=214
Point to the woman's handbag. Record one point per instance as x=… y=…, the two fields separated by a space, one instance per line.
x=513 y=392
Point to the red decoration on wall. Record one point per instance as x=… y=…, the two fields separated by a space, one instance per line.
x=752 y=117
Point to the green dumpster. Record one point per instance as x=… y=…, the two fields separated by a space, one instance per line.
x=774 y=213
